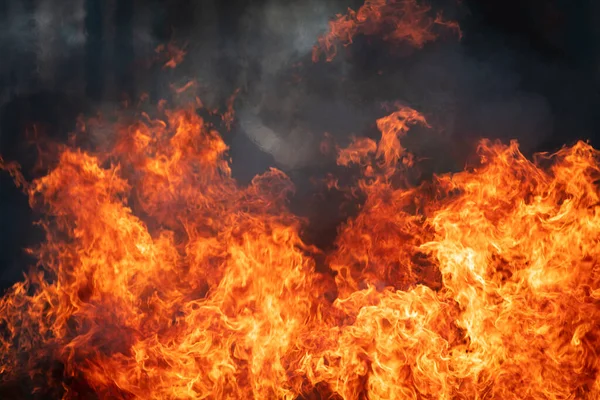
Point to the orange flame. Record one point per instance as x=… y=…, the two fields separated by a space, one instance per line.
x=174 y=54
x=161 y=278
x=229 y=115
x=396 y=21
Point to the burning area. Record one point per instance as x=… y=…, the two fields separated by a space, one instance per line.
x=162 y=276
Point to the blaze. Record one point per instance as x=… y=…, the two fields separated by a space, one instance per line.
x=161 y=277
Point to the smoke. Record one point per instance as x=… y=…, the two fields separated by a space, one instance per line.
x=465 y=96
x=482 y=86
x=40 y=42
x=279 y=33
x=60 y=32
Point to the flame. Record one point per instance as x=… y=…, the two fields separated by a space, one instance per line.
x=396 y=21
x=185 y=87
x=162 y=278
x=172 y=53
x=228 y=116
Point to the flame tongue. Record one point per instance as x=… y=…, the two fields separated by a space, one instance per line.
x=482 y=283
x=396 y=21
x=161 y=277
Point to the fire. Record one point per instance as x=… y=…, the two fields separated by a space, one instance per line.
x=172 y=53
x=395 y=21
x=229 y=115
x=161 y=277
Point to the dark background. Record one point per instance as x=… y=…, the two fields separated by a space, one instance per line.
x=553 y=47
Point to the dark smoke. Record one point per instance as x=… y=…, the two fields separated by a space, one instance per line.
x=524 y=70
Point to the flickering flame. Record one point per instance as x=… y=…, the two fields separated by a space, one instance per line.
x=481 y=284
x=396 y=21
x=229 y=115
x=173 y=54
x=161 y=277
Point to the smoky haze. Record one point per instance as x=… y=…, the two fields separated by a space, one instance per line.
x=525 y=72
x=493 y=83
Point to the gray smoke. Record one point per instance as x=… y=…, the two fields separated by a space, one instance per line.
x=465 y=94
x=60 y=31
x=50 y=36
x=462 y=96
